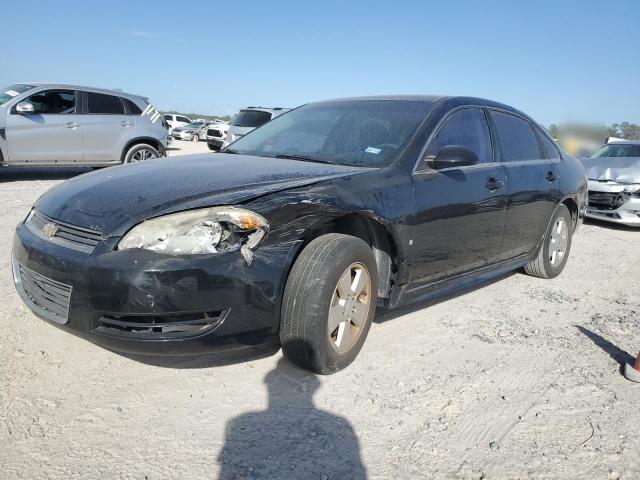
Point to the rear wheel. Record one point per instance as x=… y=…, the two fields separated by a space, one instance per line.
x=329 y=303
x=195 y=137
x=140 y=153
x=555 y=248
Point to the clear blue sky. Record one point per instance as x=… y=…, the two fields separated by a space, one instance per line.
x=555 y=60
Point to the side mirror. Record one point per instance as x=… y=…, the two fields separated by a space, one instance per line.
x=25 y=108
x=454 y=156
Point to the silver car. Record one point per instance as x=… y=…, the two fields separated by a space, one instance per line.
x=614 y=183
x=61 y=125
x=249 y=119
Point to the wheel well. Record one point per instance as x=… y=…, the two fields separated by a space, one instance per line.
x=375 y=235
x=138 y=141
x=571 y=204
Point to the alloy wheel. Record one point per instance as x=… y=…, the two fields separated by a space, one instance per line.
x=141 y=155
x=558 y=242
x=349 y=308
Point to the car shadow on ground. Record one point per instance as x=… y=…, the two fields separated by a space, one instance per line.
x=291 y=438
x=612 y=350
x=23 y=174
x=609 y=225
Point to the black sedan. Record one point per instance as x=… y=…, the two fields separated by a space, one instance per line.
x=300 y=229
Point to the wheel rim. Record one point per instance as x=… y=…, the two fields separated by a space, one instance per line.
x=194 y=137
x=349 y=308
x=558 y=242
x=142 y=155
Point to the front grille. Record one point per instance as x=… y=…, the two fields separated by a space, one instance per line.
x=158 y=326
x=47 y=297
x=70 y=236
x=212 y=132
x=606 y=200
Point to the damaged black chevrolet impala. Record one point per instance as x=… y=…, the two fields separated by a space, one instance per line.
x=300 y=229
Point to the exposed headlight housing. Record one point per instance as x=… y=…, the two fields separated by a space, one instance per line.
x=202 y=231
x=634 y=189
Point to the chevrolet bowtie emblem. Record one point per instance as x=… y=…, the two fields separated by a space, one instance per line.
x=50 y=229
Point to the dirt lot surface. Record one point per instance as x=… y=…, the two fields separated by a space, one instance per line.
x=517 y=379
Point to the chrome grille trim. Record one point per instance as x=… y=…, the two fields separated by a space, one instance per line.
x=70 y=236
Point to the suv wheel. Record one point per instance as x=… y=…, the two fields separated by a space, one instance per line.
x=555 y=248
x=140 y=153
x=195 y=137
x=329 y=302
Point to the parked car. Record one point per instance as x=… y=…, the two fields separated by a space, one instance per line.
x=175 y=121
x=45 y=124
x=614 y=183
x=248 y=119
x=192 y=132
x=301 y=229
x=216 y=135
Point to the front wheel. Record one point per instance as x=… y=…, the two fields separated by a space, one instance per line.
x=329 y=303
x=140 y=153
x=555 y=248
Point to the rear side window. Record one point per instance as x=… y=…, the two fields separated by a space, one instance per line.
x=168 y=117
x=183 y=119
x=54 y=102
x=549 y=148
x=466 y=128
x=132 y=108
x=251 y=118
x=99 y=103
x=517 y=138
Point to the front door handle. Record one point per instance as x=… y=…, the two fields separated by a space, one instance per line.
x=551 y=177
x=494 y=184
x=126 y=124
x=72 y=125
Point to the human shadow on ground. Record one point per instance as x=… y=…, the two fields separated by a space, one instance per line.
x=612 y=350
x=292 y=438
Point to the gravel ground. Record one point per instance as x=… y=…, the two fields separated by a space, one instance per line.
x=517 y=379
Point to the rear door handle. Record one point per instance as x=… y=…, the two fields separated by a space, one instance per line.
x=551 y=177
x=72 y=125
x=494 y=184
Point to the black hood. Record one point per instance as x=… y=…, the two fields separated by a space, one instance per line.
x=114 y=199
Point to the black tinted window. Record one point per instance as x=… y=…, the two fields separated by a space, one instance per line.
x=618 y=150
x=132 y=108
x=466 y=128
x=54 y=102
x=104 y=104
x=183 y=119
x=549 y=148
x=517 y=138
x=251 y=118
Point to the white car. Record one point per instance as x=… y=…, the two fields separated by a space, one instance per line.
x=249 y=119
x=176 y=121
x=217 y=134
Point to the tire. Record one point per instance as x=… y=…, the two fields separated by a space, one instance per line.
x=195 y=137
x=313 y=287
x=137 y=153
x=555 y=248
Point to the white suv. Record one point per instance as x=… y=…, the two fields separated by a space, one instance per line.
x=176 y=121
x=249 y=119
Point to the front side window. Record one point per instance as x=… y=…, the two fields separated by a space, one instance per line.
x=618 y=150
x=101 y=104
x=465 y=128
x=13 y=91
x=368 y=133
x=251 y=118
x=517 y=138
x=53 y=102
x=132 y=108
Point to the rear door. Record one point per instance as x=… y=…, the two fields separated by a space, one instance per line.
x=532 y=183
x=106 y=128
x=51 y=134
x=460 y=211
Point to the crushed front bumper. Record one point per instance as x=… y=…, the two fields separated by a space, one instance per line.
x=142 y=302
x=608 y=201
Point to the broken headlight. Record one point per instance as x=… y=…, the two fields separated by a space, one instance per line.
x=202 y=231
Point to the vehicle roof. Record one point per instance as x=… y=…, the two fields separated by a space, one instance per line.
x=624 y=142
x=80 y=87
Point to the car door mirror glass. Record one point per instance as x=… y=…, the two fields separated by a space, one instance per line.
x=25 y=108
x=453 y=156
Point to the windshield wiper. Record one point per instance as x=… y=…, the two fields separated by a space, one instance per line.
x=304 y=158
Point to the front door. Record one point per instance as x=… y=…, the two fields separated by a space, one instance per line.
x=460 y=211
x=51 y=134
